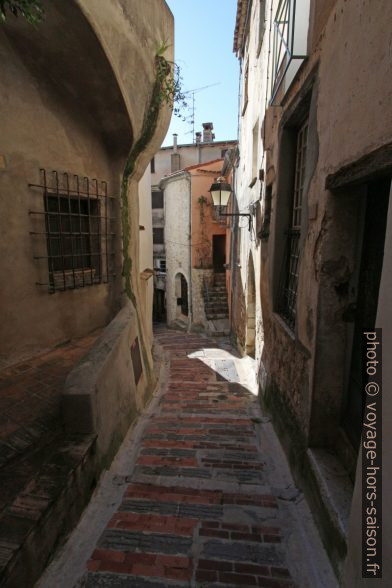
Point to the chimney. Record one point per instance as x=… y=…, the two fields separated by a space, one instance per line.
x=198 y=137
x=175 y=156
x=208 y=135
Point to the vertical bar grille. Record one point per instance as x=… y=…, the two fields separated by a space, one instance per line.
x=291 y=263
x=74 y=237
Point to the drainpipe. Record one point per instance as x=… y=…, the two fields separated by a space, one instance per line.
x=188 y=177
x=233 y=247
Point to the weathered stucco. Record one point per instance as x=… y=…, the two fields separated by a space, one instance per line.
x=177 y=241
x=81 y=95
x=46 y=124
x=303 y=370
x=146 y=251
x=101 y=394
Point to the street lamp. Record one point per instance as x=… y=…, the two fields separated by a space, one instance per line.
x=220 y=192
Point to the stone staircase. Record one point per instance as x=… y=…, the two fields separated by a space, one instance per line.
x=215 y=298
x=216 y=307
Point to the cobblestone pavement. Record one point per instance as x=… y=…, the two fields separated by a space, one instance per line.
x=198 y=507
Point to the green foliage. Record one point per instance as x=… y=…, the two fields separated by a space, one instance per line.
x=170 y=80
x=162 y=48
x=31 y=10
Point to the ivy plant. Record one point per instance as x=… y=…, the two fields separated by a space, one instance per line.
x=170 y=81
x=31 y=10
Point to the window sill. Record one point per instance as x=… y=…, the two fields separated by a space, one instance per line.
x=291 y=334
x=69 y=279
x=284 y=326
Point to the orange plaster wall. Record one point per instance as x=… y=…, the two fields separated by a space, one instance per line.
x=204 y=227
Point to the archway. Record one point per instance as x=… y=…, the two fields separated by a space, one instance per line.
x=181 y=293
x=250 y=342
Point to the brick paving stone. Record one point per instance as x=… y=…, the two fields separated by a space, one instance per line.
x=197 y=510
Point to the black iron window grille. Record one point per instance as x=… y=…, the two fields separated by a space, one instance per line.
x=291 y=263
x=158 y=236
x=157 y=199
x=73 y=230
x=289 y=41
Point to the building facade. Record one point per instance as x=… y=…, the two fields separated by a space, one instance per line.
x=195 y=243
x=73 y=200
x=166 y=161
x=315 y=144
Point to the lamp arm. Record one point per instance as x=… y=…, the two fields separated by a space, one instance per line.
x=247 y=215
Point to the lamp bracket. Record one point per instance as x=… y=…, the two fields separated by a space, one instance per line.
x=248 y=216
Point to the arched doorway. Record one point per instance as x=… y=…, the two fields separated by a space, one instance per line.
x=250 y=342
x=181 y=292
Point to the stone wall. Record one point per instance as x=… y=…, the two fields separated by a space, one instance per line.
x=297 y=385
x=146 y=252
x=107 y=390
x=198 y=277
x=46 y=125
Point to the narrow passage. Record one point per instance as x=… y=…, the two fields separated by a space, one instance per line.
x=198 y=508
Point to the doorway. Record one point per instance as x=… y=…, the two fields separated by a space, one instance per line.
x=369 y=263
x=184 y=296
x=219 y=253
x=250 y=348
x=181 y=294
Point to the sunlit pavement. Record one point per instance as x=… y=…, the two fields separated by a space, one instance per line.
x=201 y=494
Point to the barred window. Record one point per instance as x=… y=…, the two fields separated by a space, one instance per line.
x=73 y=235
x=290 y=283
x=157 y=236
x=157 y=199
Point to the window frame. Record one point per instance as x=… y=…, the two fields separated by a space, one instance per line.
x=288 y=291
x=154 y=232
x=245 y=88
x=156 y=193
x=65 y=263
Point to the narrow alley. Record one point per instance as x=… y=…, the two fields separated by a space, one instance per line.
x=196 y=293
x=202 y=495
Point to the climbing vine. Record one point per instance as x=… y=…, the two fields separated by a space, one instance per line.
x=204 y=246
x=166 y=90
x=31 y=10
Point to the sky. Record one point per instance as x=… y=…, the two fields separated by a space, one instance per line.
x=203 y=49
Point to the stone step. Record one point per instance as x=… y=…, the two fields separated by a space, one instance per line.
x=215 y=294
x=211 y=308
x=221 y=293
x=216 y=316
x=217 y=302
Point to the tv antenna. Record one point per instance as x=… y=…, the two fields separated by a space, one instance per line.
x=192 y=108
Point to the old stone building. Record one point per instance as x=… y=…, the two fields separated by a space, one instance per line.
x=168 y=160
x=196 y=252
x=80 y=124
x=315 y=161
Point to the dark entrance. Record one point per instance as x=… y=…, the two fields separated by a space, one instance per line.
x=159 y=308
x=219 y=253
x=184 y=296
x=370 y=260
